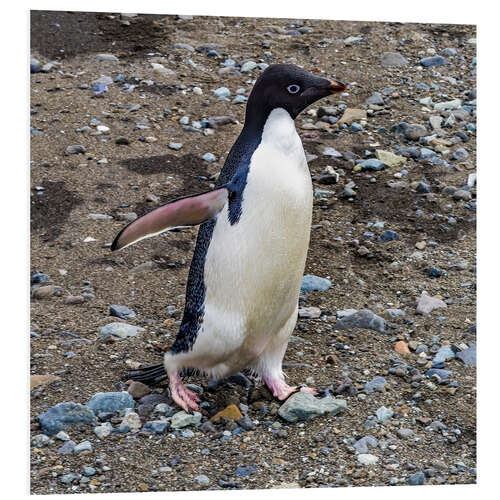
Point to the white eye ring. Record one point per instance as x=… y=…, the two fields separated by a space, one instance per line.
x=293 y=89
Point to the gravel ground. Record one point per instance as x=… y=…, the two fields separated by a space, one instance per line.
x=382 y=237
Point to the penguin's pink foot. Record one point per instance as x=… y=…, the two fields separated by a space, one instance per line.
x=282 y=390
x=181 y=395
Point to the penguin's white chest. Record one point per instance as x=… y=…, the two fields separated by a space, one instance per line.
x=253 y=269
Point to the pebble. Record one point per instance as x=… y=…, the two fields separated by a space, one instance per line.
x=122 y=312
x=41 y=380
x=393 y=59
x=312 y=283
x=245 y=471
x=309 y=312
x=383 y=414
x=329 y=151
x=443 y=354
x=361 y=445
x=468 y=356
x=138 y=390
x=248 y=66
x=110 y=402
x=427 y=62
x=64 y=415
x=231 y=412
x=69 y=478
x=462 y=194
x=175 y=145
x=156 y=427
x=38 y=277
x=123 y=141
x=88 y=471
x=83 y=446
x=460 y=154
x=447 y=105
x=222 y=92
x=40 y=440
x=416 y=479
x=209 y=157
x=104 y=430
x=183 y=419
x=131 y=420
x=372 y=164
x=435 y=272
x=75 y=149
x=376 y=384
x=304 y=406
x=202 y=479
x=404 y=433
x=106 y=57
x=367 y=459
x=67 y=448
x=401 y=347
x=364 y=318
x=389 y=159
x=119 y=331
x=388 y=235
x=414 y=131
x=426 y=304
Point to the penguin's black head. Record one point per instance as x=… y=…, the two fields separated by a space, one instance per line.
x=289 y=87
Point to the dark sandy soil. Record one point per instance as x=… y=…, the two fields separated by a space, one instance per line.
x=66 y=188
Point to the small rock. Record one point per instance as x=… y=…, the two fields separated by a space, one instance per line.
x=122 y=312
x=389 y=159
x=138 y=390
x=110 y=402
x=388 y=235
x=468 y=356
x=384 y=414
x=433 y=61
x=41 y=380
x=106 y=57
x=367 y=459
x=311 y=283
x=416 y=479
x=426 y=304
x=222 y=92
x=83 y=446
x=119 y=330
x=309 y=312
x=304 y=406
x=376 y=384
x=132 y=420
x=183 y=419
x=202 y=479
x=76 y=149
x=209 y=157
x=63 y=415
x=401 y=347
x=232 y=412
x=393 y=59
x=363 y=318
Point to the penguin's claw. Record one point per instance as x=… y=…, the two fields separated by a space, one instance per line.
x=182 y=396
x=311 y=390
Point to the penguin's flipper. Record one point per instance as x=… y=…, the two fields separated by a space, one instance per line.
x=188 y=211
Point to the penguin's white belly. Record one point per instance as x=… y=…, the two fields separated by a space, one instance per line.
x=253 y=269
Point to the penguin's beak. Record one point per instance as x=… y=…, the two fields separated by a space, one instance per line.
x=336 y=86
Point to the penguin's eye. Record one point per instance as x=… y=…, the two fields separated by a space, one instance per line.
x=293 y=89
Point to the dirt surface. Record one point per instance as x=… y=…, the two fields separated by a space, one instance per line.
x=135 y=177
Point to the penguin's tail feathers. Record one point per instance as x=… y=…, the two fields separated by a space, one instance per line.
x=149 y=374
x=187 y=211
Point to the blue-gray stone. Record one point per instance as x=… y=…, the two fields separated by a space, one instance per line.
x=435 y=272
x=38 y=277
x=110 y=402
x=311 y=283
x=122 y=312
x=88 y=471
x=376 y=384
x=388 y=236
x=69 y=478
x=187 y=433
x=356 y=127
x=83 y=446
x=155 y=427
x=209 y=157
x=372 y=164
x=239 y=99
x=364 y=318
x=442 y=374
x=416 y=479
x=304 y=406
x=222 y=92
x=362 y=445
x=63 y=415
x=34 y=65
x=375 y=98
x=450 y=52
x=384 y=414
x=460 y=154
x=423 y=188
x=248 y=66
x=443 y=354
x=67 y=448
x=468 y=356
x=329 y=151
x=119 y=330
x=433 y=61
x=245 y=471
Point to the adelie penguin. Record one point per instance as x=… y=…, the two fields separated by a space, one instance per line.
x=245 y=275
